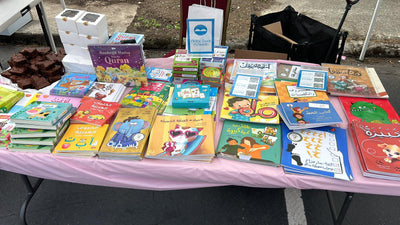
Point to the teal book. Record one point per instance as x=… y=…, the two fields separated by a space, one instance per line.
x=30 y=148
x=74 y=85
x=41 y=113
x=35 y=133
x=250 y=142
x=35 y=141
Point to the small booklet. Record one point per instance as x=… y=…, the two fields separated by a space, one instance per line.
x=312 y=79
x=246 y=86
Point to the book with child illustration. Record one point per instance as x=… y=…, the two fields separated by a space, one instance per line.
x=73 y=85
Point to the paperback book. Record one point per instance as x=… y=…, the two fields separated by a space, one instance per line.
x=6 y=126
x=24 y=101
x=320 y=151
x=65 y=118
x=30 y=148
x=160 y=74
x=73 y=85
x=35 y=141
x=9 y=96
x=76 y=102
x=289 y=92
x=250 y=142
x=371 y=110
x=289 y=72
x=109 y=92
x=188 y=138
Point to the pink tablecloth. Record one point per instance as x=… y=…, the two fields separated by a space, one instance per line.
x=171 y=175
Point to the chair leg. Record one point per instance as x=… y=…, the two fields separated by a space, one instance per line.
x=338 y=219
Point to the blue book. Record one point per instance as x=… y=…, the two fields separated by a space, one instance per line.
x=161 y=74
x=321 y=152
x=41 y=113
x=303 y=115
x=74 y=85
x=191 y=96
x=129 y=37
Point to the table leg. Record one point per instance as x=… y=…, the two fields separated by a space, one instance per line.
x=338 y=219
x=45 y=26
x=31 y=191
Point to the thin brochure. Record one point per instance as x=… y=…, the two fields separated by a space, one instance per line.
x=200 y=35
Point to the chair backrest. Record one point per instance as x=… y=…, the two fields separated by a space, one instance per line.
x=220 y=4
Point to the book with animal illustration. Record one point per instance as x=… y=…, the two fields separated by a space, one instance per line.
x=371 y=110
x=24 y=101
x=35 y=133
x=319 y=151
x=182 y=138
x=261 y=110
x=354 y=81
x=76 y=102
x=60 y=123
x=95 y=112
x=378 y=148
x=301 y=115
x=127 y=137
x=250 y=142
x=119 y=63
x=81 y=139
x=41 y=113
x=9 y=96
x=30 y=148
x=109 y=92
x=289 y=92
x=73 y=85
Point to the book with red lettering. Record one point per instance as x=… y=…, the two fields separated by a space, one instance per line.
x=95 y=112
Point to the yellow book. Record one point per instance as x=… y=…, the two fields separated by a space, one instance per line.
x=182 y=138
x=288 y=92
x=128 y=135
x=81 y=138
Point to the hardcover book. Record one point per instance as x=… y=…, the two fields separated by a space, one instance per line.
x=369 y=110
x=95 y=112
x=41 y=113
x=73 y=85
x=127 y=136
x=320 y=151
x=289 y=92
x=182 y=138
x=24 y=101
x=30 y=148
x=261 y=110
x=35 y=133
x=119 y=63
x=35 y=141
x=109 y=92
x=64 y=119
x=250 y=142
x=76 y=102
x=354 y=81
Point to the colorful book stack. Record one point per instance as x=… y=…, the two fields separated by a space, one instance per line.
x=73 y=85
x=9 y=96
x=217 y=59
x=212 y=76
x=53 y=116
x=109 y=92
x=185 y=66
x=127 y=137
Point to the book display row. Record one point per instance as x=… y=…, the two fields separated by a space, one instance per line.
x=272 y=112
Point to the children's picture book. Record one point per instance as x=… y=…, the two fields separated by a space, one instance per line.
x=301 y=115
x=29 y=148
x=182 y=138
x=73 y=85
x=161 y=74
x=127 y=136
x=250 y=142
x=119 y=63
x=109 y=92
x=35 y=133
x=371 y=110
x=288 y=72
x=81 y=139
x=131 y=38
x=289 y=92
x=95 y=112
x=41 y=113
x=354 y=81
x=312 y=79
x=24 y=101
x=76 y=102
x=8 y=97
x=265 y=69
x=319 y=151
x=6 y=126
x=261 y=110
x=55 y=126
x=378 y=148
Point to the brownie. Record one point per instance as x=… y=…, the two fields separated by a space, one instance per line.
x=17 y=60
x=24 y=83
x=51 y=56
x=18 y=70
x=39 y=82
x=55 y=70
x=36 y=59
x=13 y=78
x=33 y=68
x=43 y=51
x=54 y=78
x=29 y=52
x=6 y=74
x=45 y=65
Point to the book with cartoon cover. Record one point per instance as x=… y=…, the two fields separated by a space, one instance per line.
x=250 y=142
x=28 y=98
x=6 y=126
x=76 y=102
x=73 y=85
x=109 y=92
x=95 y=112
x=182 y=138
x=289 y=92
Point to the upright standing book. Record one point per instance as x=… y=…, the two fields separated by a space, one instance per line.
x=73 y=85
x=250 y=142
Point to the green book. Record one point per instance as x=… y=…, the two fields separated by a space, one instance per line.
x=8 y=98
x=35 y=141
x=29 y=148
x=36 y=133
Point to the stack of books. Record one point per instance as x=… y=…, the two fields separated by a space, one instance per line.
x=217 y=59
x=212 y=76
x=50 y=117
x=185 y=66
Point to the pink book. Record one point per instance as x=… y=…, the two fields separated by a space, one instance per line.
x=56 y=98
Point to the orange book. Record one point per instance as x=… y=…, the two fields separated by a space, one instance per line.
x=288 y=92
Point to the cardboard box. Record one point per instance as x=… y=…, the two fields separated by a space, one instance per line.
x=276 y=28
x=250 y=54
x=66 y=20
x=69 y=37
x=73 y=49
x=93 y=24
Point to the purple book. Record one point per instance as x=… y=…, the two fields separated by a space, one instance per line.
x=56 y=98
x=119 y=63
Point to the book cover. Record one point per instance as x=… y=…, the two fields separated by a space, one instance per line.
x=30 y=148
x=64 y=119
x=82 y=138
x=288 y=72
x=250 y=142
x=24 y=101
x=95 y=112
x=76 y=102
x=378 y=147
x=182 y=137
x=319 y=151
x=289 y=92
x=41 y=113
x=261 y=110
x=8 y=97
x=129 y=132
x=6 y=126
x=345 y=80
x=30 y=133
x=369 y=110
x=35 y=141
x=109 y=92
x=161 y=74
x=119 y=63
x=73 y=85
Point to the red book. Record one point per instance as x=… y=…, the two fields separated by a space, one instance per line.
x=96 y=112
x=371 y=110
